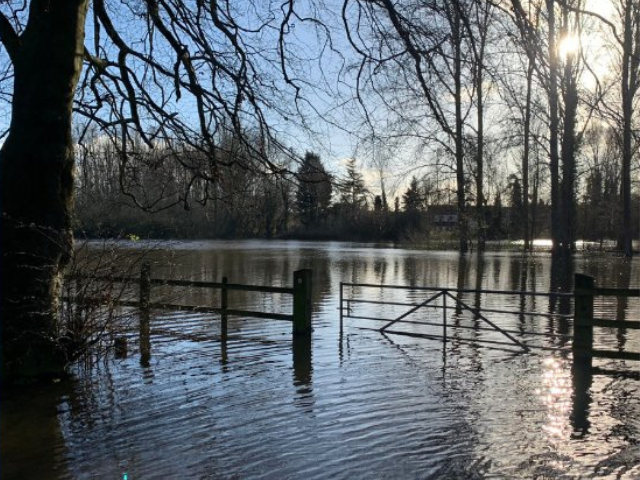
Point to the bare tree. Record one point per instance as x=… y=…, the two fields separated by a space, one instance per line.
x=619 y=108
x=170 y=72
x=630 y=80
x=559 y=76
x=422 y=49
x=477 y=21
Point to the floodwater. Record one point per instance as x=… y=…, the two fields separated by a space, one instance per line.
x=350 y=403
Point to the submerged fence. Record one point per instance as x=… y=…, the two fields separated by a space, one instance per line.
x=301 y=292
x=584 y=321
x=448 y=299
x=444 y=299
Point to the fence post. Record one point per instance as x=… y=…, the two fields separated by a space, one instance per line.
x=583 y=319
x=145 y=300
x=224 y=304
x=302 y=302
x=145 y=288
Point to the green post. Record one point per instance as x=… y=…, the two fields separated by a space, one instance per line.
x=224 y=304
x=583 y=320
x=302 y=302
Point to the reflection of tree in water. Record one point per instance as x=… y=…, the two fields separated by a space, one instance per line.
x=522 y=278
x=518 y=282
x=479 y=278
x=516 y=271
x=561 y=281
x=32 y=439
x=623 y=281
x=410 y=271
x=462 y=282
x=320 y=265
x=380 y=270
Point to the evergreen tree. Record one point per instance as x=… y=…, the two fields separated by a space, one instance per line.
x=313 y=196
x=413 y=200
x=516 y=203
x=353 y=193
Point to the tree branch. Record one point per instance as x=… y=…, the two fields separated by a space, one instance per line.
x=9 y=37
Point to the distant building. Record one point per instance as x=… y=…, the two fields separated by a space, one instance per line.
x=445 y=221
x=444 y=217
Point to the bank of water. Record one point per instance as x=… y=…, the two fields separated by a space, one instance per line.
x=351 y=404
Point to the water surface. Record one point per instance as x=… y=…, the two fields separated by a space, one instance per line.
x=351 y=403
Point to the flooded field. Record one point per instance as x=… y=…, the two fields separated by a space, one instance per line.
x=350 y=403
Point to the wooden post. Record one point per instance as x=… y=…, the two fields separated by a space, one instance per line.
x=145 y=300
x=302 y=302
x=224 y=304
x=145 y=288
x=583 y=320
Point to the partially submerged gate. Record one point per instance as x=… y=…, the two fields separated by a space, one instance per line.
x=441 y=313
x=443 y=295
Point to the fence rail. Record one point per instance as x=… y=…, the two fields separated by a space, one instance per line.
x=584 y=321
x=301 y=291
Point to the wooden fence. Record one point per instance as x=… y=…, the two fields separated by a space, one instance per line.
x=301 y=291
x=583 y=318
x=584 y=292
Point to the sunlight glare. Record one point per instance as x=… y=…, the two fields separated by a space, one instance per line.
x=569 y=45
x=555 y=394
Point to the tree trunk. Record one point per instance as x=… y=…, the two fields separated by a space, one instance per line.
x=36 y=184
x=569 y=147
x=625 y=241
x=525 y=157
x=463 y=222
x=630 y=64
x=554 y=156
x=569 y=142
x=482 y=233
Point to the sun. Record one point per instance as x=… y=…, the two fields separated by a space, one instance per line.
x=568 y=46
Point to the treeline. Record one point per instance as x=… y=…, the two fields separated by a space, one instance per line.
x=520 y=114
x=166 y=193
x=479 y=82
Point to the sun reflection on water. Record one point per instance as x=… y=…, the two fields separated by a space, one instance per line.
x=555 y=394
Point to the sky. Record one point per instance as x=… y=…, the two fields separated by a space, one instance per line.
x=324 y=99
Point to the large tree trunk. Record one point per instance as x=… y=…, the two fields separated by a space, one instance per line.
x=554 y=156
x=463 y=222
x=36 y=185
x=630 y=64
x=482 y=233
x=569 y=147
x=569 y=140
x=526 y=231
x=625 y=239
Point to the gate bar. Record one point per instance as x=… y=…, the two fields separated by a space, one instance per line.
x=413 y=310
